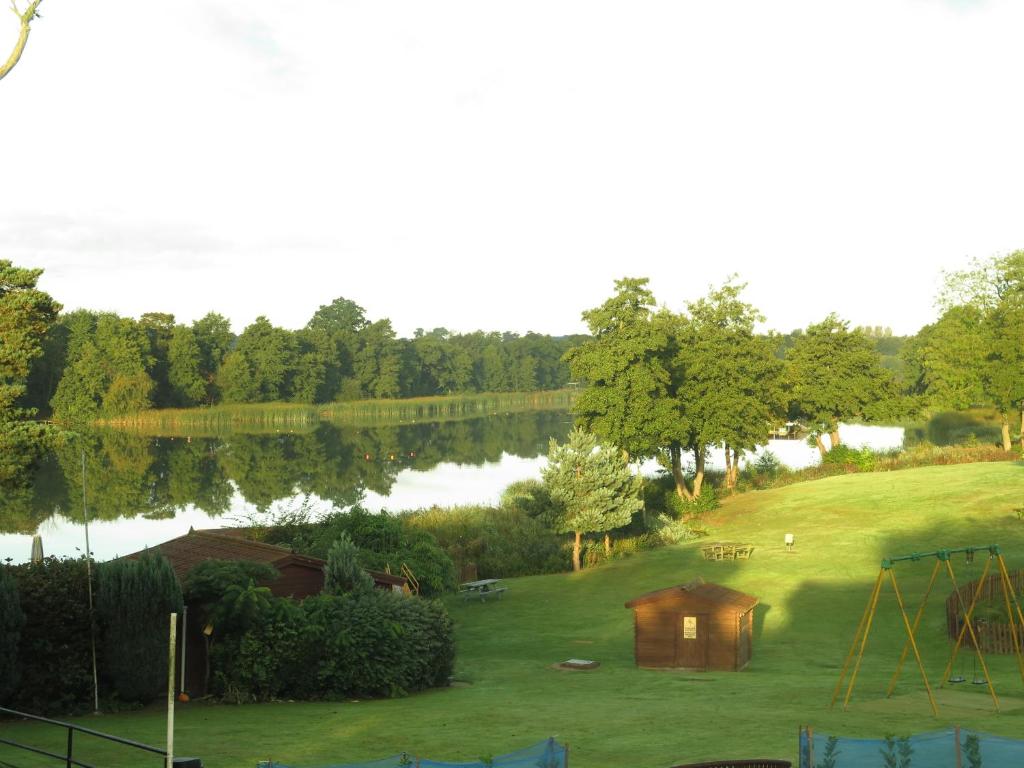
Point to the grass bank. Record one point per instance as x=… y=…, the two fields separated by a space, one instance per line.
x=270 y=417
x=508 y=694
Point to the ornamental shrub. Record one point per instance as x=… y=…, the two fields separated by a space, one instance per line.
x=11 y=621
x=343 y=573
x=134 y=600
x=54 y=652
x=366 y=644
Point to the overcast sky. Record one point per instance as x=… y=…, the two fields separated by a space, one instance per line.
x=497 y=165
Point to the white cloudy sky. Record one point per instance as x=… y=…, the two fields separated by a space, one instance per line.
x=498 y=164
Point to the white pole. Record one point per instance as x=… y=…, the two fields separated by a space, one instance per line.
x=88 y=578
x=184 y=642
x=170 y=691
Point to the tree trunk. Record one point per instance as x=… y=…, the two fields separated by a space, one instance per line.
x=1007 y=443
x=1022 y=428
x=698 y=477
x=607 y=544
x=19 y=46
x=834 y=437
x=576 y=551
x=728 y=468
x=675 y=452
x=735 y=468
x=821 y=445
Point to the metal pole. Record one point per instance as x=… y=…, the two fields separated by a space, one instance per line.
x=853 y=645
x=864 y=640
x=92 y=615
x=913 y=642
x=917 y=622
x=970 y=626
x=170 y=691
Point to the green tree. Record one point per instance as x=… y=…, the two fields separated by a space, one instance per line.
x=342 y=573
x=378 y=362
x=342 y=320
x=133 y=601
x=26 y=313
x=215 y=339
x=834 y=374
x=593 y=486
x=266 y=355
x=159 y=329
x=944 y=361
x=727 y=384
x=185 y=377
x=627 y=399
x=11 y=621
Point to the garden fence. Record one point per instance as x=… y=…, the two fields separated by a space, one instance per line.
x=952 y=748
x=547 y=754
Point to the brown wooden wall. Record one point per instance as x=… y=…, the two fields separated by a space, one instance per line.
x=297 y=581
x=659 y=642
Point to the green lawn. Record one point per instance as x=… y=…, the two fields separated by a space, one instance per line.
x=619 y=715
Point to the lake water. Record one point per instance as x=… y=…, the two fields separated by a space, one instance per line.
x=144 y=490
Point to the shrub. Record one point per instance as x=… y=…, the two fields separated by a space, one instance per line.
x=11 y=621
x=134 y=599
x=343 y=573
x=372 y=643
x=54 y=652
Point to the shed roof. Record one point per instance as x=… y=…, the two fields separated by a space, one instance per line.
x=186 y=552
x=706 y=592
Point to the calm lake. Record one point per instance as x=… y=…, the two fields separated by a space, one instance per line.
x=144 y=490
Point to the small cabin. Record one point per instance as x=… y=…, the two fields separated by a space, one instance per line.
x=698 y=626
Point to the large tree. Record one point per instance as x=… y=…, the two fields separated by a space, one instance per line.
x=626 y=400
x=593 y=486
x=25 y=315
x=726 y=382
x=835 y=374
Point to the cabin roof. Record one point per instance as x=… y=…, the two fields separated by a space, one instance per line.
x=714 y=594
x=186 y=552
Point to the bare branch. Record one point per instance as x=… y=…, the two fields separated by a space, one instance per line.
x=26 y=20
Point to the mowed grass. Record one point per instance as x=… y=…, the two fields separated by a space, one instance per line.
x=619 y=715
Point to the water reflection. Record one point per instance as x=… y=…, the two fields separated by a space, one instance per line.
x=130 y=476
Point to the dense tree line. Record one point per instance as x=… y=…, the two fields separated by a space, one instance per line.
x=97 y=364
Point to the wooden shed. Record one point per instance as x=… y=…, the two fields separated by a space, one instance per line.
x=693 y=626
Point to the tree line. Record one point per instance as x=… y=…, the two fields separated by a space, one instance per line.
x=100 y=365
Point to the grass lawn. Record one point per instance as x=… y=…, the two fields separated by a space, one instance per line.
x=618 y=715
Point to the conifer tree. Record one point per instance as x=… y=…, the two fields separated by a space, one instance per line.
x=343 y=574
x=593 y=486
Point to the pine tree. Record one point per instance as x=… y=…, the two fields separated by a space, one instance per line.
x=593 y=486
x=343 y=574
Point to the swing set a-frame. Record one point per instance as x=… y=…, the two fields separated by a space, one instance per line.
x=942 y=558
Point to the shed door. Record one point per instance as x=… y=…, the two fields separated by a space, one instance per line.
x=692 y=641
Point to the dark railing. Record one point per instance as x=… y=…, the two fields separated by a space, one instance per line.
x=68 y=757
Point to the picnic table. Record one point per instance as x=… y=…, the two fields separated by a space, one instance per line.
x=481 y=589
x=724 y=550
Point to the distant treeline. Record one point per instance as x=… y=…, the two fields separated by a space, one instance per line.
x=100 y=365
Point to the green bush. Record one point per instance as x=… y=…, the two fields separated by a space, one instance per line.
x=134 y=600
x=364 y=644
x=54 y=652
x=343 y=572
x=11 y=621
x=501 y=542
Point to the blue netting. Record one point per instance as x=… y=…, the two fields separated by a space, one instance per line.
x=926 y=750
x=546 y=754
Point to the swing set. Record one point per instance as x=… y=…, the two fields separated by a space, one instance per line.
x=942 y=558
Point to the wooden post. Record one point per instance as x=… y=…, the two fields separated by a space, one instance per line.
x=810 y=746
x=566 y=764
x=913 y=641
x=956 y=737
x=864 y=639
x=184 y=638
x=170 y=691
x=856 y=638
